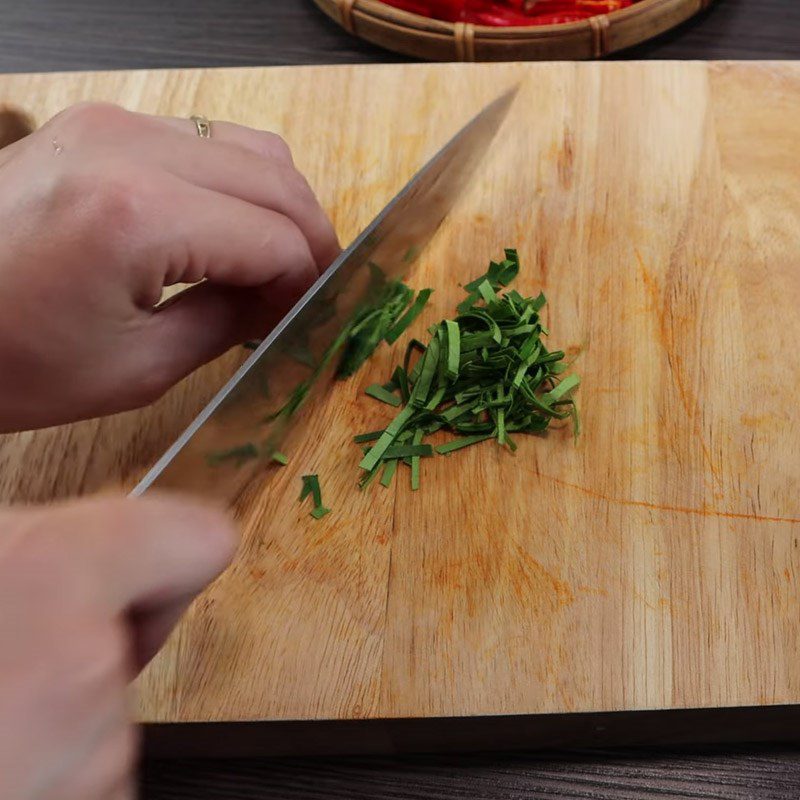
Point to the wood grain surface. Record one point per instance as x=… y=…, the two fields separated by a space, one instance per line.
x=94 y=34
x=651 y=565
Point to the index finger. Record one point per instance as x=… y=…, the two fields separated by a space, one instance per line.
x=255 y=166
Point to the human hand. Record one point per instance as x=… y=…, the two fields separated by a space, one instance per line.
x=99 y=210
x=88 y=592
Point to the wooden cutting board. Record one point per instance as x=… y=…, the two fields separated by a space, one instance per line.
x=549 y=595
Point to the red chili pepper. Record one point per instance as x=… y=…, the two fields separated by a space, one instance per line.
x=485 y=12
x=447 y=10
x=510 y=12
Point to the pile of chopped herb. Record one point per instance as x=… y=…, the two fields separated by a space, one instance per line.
x=486 y=374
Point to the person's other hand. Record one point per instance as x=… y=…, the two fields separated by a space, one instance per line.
x=99 y=210
x=88 y=592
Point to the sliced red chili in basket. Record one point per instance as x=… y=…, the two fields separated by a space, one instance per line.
x=510 y=12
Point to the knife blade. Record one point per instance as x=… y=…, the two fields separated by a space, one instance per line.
x=232 y=438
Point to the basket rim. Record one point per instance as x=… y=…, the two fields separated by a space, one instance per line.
x=388 y=13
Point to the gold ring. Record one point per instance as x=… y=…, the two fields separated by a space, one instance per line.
x=203 y=126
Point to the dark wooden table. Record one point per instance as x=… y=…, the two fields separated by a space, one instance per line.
x=743 y=774
x=38 y=35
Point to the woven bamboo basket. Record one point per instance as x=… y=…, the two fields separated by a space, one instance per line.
x=434 y=40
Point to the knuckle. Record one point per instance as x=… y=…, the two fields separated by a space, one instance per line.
x=152 y=385
x=88 y=116
x=274 y=146
x=109 y=200
x=284 y=237
x=117 y=198
x=298 y=199
x=300 y=187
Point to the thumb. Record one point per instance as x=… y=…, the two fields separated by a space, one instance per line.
x=148 y=558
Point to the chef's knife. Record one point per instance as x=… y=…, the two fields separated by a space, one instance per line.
x=236 y=433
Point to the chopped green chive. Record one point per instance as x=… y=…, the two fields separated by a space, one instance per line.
x=436 y=399
x=501 y=425
x=385 y=318
x=459 y=444
x=430 y=362
x=415 y=460
x=311 y=487
x=239 y=455
x=453 y=349
x=487 y=293
x=566 y=386
x=375 y=454
x=367 y=437
x=389 y=469
x=383 y=394
x=400 y=379
x=408 y=451
x=400 y=327
x=410 y=254
x=465 y=305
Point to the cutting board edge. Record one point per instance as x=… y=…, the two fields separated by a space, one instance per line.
x=403 y=736
x=421 y=66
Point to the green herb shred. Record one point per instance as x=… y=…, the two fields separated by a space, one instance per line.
x=311 y=487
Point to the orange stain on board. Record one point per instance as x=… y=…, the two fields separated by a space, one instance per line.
x=644 y=601
x=542 y=263
x=562 y=594
x=445 y=576
x=700 y=512
x=652 y=289
x=759 y=421
x=688 y=401
x=552 y=152
x=593 y=590
x=566 y=159
x=522 y=232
